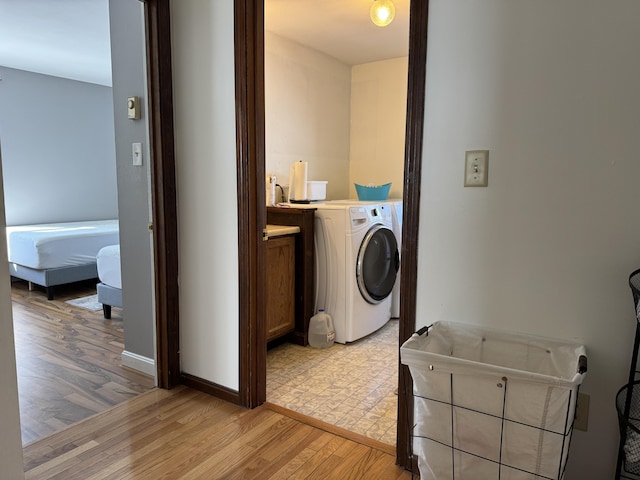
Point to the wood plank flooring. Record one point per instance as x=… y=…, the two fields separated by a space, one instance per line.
x=185 y=434
x=68 y=360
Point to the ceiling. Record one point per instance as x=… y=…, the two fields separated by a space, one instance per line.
x=64 y=38
x=70 y=38
x=340 y=28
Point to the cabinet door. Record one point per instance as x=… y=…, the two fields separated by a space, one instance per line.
x=280 y=259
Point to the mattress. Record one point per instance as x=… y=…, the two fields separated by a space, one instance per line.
x=108 y=260
x=56 y=245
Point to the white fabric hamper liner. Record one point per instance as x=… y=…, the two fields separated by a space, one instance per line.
x=491 y=404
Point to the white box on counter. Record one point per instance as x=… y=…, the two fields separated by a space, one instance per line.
x=317 y=190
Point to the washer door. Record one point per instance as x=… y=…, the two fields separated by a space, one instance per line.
x=377 y=264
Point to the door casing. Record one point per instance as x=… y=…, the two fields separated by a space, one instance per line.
x=163 y=190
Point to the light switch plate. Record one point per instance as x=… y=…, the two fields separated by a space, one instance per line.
x=476 y=168
x=136 y=154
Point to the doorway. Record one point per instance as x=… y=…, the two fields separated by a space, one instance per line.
x=339 y=106
x=250 y=114
x=74 y=171
x=162 y=191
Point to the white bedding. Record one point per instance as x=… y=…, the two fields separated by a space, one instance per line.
x=56 y=245
x=109 y=266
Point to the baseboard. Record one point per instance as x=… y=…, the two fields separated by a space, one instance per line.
x=138 y=362
x=210 y=388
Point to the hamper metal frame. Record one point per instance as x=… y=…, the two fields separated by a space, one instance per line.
x=624 y=413
x=566 y=437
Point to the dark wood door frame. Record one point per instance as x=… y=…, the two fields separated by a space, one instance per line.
x=163 y=191
x=416 y=95
x=250 y=145
x=249 y=55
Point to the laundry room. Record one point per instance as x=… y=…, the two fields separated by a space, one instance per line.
x=341 y=112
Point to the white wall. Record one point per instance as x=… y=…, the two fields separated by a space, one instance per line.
x=347 y=122
x=204 y=103
x=10 y=440
x=59 y=152
x=307 y=113
x=551 y=89
x=378 y=121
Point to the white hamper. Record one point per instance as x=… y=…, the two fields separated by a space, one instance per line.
x=491 y=404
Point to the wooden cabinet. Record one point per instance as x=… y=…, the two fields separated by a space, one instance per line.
x=280 y=263
x=305 y=267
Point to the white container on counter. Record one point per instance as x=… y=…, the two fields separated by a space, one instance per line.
x=317 y=190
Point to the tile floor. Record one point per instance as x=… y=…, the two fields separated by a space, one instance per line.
x=351 y=386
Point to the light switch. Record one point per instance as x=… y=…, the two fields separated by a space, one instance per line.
x=136 y=153
x=133 y=108
x=476 y=168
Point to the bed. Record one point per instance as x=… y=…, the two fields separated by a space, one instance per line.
x=110 y=286
x=57 y=253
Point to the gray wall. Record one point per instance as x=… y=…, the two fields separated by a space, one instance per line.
x=129 y=79
x=58 y=149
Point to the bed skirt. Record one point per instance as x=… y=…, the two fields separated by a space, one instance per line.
x=50 y=277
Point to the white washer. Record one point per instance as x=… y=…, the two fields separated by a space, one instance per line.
x=357 y=260
x=396 y=222
x=396 y=210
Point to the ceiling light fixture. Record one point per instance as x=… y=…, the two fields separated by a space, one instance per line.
x=382 y=12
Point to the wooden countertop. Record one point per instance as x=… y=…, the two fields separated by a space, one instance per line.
x=279 y=230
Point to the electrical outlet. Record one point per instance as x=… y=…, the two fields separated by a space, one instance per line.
x=476 y=168
x=581 y=421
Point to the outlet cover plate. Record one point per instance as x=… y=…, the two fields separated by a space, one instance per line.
x=476 y=168
x=581 y=421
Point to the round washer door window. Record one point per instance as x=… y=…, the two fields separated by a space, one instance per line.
x=377 y=264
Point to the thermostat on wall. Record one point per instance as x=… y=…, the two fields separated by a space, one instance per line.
x=133 y=108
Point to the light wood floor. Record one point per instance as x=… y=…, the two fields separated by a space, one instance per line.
x=68 y=360
x=185 y=434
